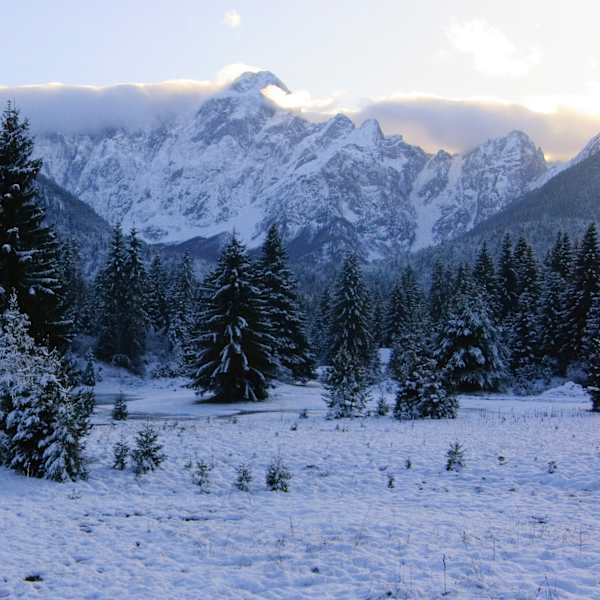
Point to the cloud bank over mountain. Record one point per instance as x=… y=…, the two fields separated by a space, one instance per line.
x=428 y=121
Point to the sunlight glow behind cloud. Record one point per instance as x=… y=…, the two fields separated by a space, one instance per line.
x=492 y=51
x=561 y=125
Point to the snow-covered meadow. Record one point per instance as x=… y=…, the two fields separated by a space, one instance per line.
x=504 y=527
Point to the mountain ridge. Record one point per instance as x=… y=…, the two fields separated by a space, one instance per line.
x=242 y=162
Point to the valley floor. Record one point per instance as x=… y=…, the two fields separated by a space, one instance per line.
x=503 y=529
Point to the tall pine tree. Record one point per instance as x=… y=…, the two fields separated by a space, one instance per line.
x=234 y=351
x=112 y=288
x=28 y=249
x=468 y=346
x=585 y=284
x=43 y=421
x=135 y=315
x=349 y=322
x=158 y=306
x=281 y=298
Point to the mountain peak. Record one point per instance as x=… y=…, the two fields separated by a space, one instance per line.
x=255 y=82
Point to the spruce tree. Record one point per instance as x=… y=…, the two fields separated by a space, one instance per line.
x=112 y=287
x=28 y=249
x=120 y=410
x=484 y=278
x=349 y=323
x=183 y=308
x=553 y=334
x=88 y=377
x=592 y=326
x=468 y=346
x=407 y=307
x=320 y=327
x=439 y=293
x=43 y=421
x=560 y=257
x=585 y=284
x=396 y=314
x=234 y=351
x=158 y=306
x=522 y=330
x=377 y=322
x=74 y=290
x=421 y=393
x=346 y=387
x=147 y=454
x=526 y=269
x=135 y=315
x=507 y=280
x=281 y=300
x=594 y=373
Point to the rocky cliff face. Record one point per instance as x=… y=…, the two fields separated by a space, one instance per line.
x=243 y=163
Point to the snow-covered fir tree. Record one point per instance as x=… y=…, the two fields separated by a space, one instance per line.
x=120 y=410
x=421 y=392
x=507 y=280
x=183 y=301
x=112 y=288
x=592 y=326
x=147 y=454
x=560 y=257
x=594 y=373
x=233 y=356
x=484 y=278
x=135 y=315
x=350 y=317
x=281 y=300
x=123 y=318
x=28 y=249
x=468 y=346
x=585 y=284
x=407 y=306
x=553 y=333
x=43 y=421
x=523 y=332
x=158 y=305
x=320 y=327
x=346 y=387
x=378 y=322
x=88 y=377
x=439 y=293
x=74 y=288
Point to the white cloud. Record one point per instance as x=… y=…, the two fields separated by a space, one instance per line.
x=458 y=124
x=560 y=124
x=301 y=100
x=492 y=51
x=232 y=18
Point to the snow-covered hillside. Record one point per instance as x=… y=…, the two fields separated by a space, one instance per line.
x=241 y=162
x=590 y=149
x=504 y=527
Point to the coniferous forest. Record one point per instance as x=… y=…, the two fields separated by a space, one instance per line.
x=512 y=320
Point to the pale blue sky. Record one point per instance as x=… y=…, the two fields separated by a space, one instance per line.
x=541 y=54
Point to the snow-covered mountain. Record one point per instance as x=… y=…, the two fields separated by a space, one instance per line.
x=241 y=162
x=590 y=149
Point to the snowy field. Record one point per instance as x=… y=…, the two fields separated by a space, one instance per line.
x=505 y=528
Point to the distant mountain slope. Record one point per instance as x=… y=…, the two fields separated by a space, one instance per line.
x=568 y=202
x=242 y=163
x=73 y=219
